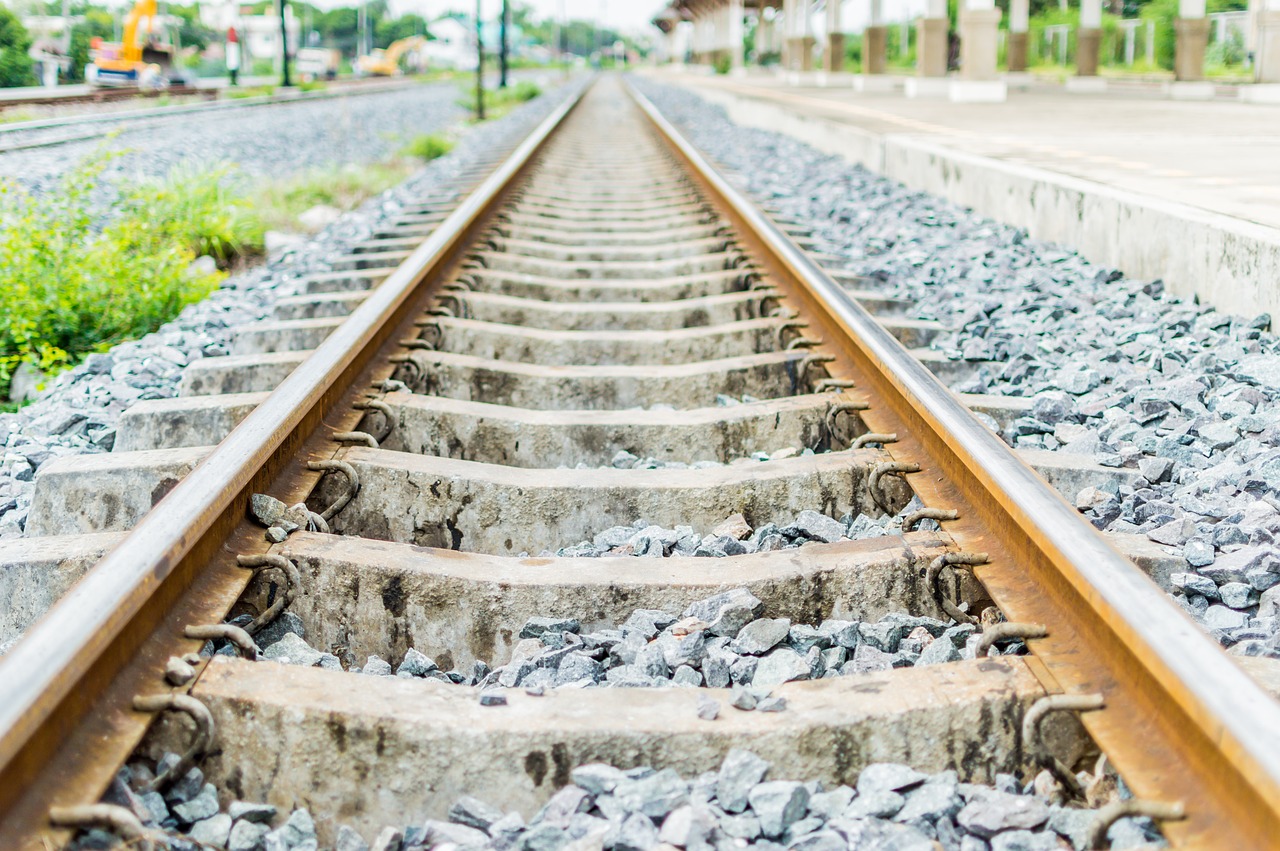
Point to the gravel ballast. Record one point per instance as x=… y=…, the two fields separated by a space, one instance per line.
x=261 y=141
x=741 y=803
x=1120 y=372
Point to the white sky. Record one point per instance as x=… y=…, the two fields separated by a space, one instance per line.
x=625 y=15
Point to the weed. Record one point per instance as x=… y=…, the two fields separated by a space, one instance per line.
x=281 y=202
x=429 y=146
x=70 y=286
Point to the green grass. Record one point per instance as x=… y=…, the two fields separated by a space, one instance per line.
x=69 y=287
x=280 y=203
x=429 y=146
x=498 y=102
x=249 y=92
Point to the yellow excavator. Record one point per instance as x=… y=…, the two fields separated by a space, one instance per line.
x=139 y=60
x=386 y=63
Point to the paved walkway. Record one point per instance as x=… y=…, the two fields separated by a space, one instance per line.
x=1220 y=156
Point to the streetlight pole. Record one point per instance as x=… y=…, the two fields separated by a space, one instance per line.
x=284 y=43
x=479 y=65
x=502 y=52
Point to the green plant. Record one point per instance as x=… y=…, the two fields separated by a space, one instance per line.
x=70 y=286
x=429 y=146
x=312 y=86
x=199 y=210
x=723 y=65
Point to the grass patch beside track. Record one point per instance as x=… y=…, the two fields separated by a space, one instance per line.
x=280 y=204
x=71 y=285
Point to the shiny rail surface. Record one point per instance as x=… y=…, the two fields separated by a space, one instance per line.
x=1184 y=726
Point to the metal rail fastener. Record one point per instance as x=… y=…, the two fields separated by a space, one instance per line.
x=353 y=484
x=112 y=818
x=828 y=385
x=1112 y=812
x=872 y=437
x=201 y=739
x=388 y=415
x=1034 y=746
x=936 y=514
x=888 y=468
x=411 y=366
x=292 y=581
x=1005 y=631
x=790 y=325
x=354 y=437
x=242 y=641
x=836 y=410
x=934 y=572
x=804 y=343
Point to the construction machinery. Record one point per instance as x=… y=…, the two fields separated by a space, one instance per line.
x=386 y=63
x=139 y=59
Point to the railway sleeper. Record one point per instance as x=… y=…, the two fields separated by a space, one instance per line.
x=295 y=736
x=464 y=505
x=559 y=289
x=620 y=270
x=361 y=598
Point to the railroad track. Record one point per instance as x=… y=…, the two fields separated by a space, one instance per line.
x=444 y=407
x=102 y=96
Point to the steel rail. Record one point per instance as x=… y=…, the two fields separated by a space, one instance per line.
x=189 y=108
x=1181 y=722
x=58 y=674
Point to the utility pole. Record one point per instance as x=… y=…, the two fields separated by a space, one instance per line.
x=502 y=52
x=284 y=44
x=479 y=64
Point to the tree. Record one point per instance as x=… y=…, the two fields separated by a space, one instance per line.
x=388 y=31
x=16 y=67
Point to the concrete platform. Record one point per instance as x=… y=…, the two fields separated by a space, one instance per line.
x=1184 y=191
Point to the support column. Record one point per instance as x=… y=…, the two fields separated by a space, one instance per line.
x=1019 y=25
x=932 y=47
x=1192 y=39
x=807 y=39
x=1265 y=21
x=737 y=50
x=787 y=24
x=833 y=56
x=1088 y=38
x=979 y=80
x=875 y=42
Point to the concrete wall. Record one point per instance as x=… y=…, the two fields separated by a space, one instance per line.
x=1229 y=263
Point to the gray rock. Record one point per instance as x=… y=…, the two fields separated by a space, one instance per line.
x=828 y=805
x=563 y=806
x=655 y=795
x=257 y=813
x=930 y=802
x=597 y=778
x=761 y=636
x=298 y=830
x=416 y=664
x=1237 y=595
x=633 y=833
x=212 y=831
x=442 y=832
x=989 y=812
x=740 y=772
x=687 y=827
x=473 y=812
x=266 y=509
x=939 y=652
x=376 y=667
x=879 y=803
x=772 y=704
x=822 y=840
x=348 y=840
x=780 y=666
x=200 y=807
x=778 y=804
x=537 y=627
x=708 y=709
x=1024 y=840
x=888 y=777
x=727 y=613
x=1220 y=617
x=292 y=650
x=816 y=527
x=247 y=836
